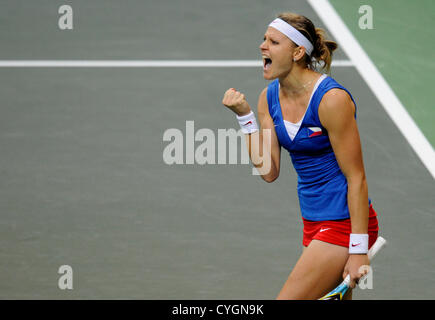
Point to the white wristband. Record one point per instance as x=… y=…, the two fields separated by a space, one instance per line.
x=358 y=243
x=248 y=123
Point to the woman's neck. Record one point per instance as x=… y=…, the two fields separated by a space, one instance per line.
x=298 y=81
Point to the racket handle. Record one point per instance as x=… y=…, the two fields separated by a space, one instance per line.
x=347 y=280
x=378 y=245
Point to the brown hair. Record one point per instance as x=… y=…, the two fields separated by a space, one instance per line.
x=323 y=48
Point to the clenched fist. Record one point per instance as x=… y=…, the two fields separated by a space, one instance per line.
x=236 y=101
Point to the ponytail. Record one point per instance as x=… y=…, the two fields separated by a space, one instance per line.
x=323 y=48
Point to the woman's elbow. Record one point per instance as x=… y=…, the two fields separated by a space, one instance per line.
x=270 y=178
x=270 y=172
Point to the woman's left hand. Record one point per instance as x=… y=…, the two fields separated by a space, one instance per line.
x=353 y=268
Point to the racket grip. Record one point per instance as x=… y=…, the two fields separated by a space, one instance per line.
x=347 y=280
x=378 y=245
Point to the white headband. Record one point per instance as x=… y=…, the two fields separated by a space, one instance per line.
x=292 y=33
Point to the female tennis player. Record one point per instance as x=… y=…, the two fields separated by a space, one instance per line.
x=314 y=118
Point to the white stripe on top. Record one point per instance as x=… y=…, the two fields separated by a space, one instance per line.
x=293 y=128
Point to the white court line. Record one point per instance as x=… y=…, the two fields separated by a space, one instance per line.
x=141 y=63
x=376 y=82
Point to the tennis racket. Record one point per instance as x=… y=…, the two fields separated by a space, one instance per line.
x=338 y=292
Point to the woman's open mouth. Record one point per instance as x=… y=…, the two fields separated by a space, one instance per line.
x=267 y=62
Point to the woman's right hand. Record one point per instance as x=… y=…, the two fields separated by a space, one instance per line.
x=236 y=101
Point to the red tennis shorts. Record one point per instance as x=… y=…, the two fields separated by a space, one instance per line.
x=337 y=231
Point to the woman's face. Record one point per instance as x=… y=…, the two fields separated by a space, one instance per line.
x=277 y=53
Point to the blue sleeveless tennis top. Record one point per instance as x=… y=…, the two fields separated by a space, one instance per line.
x=322 y=187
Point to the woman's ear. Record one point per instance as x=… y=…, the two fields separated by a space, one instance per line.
x=299 y=53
